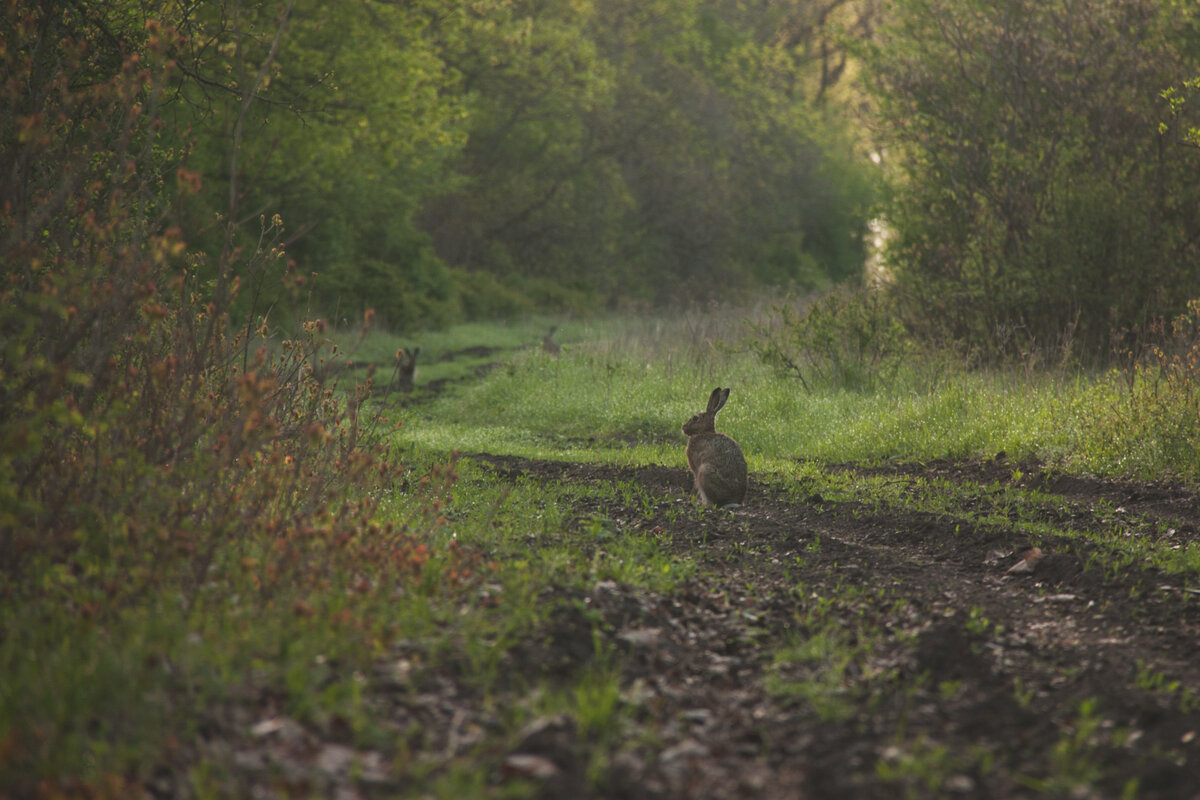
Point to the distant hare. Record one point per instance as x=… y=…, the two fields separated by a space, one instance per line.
x=549 y=345
x=406 y=369
x=715 y=460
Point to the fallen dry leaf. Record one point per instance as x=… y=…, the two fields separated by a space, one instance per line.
x=527 y=765
x=641 y=637
x=1028 y=561
x=267 y=726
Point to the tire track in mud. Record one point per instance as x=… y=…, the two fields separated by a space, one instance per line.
x=963 y=678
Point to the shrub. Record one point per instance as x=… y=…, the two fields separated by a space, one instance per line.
x=851 y=339
x=150 y=450
x=134 y=412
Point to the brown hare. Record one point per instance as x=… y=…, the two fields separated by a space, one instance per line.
x=549 y=345
x=715 y=460
x=406 y=369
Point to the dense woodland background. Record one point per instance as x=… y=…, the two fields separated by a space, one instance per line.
x=440 y=159
x=437 y=161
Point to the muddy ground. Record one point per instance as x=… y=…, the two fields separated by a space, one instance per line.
x=977 y=682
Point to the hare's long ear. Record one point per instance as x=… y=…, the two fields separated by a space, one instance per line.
x=716 y=400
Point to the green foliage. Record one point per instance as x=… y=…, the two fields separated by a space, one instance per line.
x=353 y=126
x=437 y=161
x=849 y=339
x=1150 y=420
x=1183 y=125
x=1034 y=208
x=165 y=475
x=648 y=151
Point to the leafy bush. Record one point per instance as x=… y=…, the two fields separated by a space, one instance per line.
x=1034 y=205
x=654 y=151
x=158 y=464
x=133 y=408
x=851 y=339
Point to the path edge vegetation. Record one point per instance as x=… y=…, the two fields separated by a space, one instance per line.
x=180 y=490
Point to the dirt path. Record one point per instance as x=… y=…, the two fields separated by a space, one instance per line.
x=844 y=650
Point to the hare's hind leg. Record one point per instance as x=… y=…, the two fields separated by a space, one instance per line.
x=716 y=490
x=711 y=487
x=699 y=484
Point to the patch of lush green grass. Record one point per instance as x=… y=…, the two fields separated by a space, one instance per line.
x=623 y=400
x=452 y=354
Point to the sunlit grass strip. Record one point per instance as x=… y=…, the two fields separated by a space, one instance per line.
x=381 y=345
x=581 y=403
x=525 y=443
x=619 y=394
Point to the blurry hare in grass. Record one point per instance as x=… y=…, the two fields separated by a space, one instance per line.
x=406 y=369
x=715 y=460
x=549 y=345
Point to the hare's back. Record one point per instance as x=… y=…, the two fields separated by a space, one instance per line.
x=716 y=448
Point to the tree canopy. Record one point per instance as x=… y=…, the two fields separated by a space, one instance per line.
x=433 y=160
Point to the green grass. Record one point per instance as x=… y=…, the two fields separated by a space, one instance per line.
x=621 y=391
x=622 y=399
x=591 y=404
x=453 y=354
